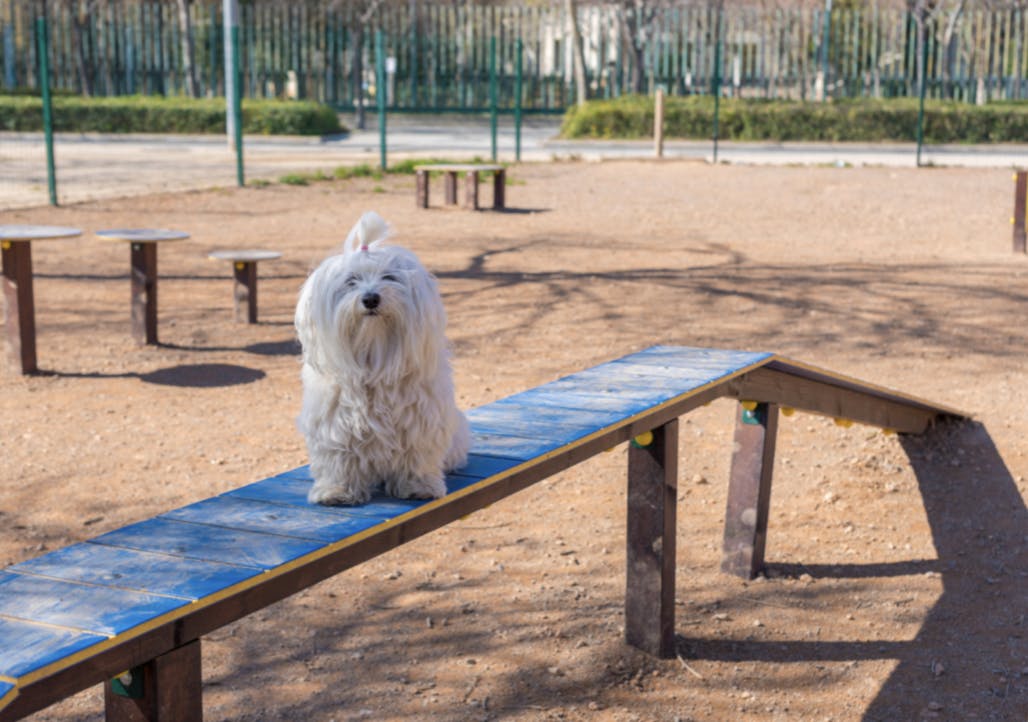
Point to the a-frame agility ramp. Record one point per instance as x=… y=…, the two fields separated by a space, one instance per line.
x=129 y=608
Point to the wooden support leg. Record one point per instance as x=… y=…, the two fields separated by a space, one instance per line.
x=652 y=497
x=471 y=190
x=245 y=291
x=144 y=293
x=422 y=179
x=1020 y=199
x=749 y=491
x=450 y=187
x=166 y=689
x=19 y=305
x=499 y=186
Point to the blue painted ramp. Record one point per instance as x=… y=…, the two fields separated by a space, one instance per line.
x=70 y=606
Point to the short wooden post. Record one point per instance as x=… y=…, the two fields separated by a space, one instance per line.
x=144 y=292
x=652 y=498
x=1020 y=199
x=658 y=123
x=450 y=187
x=471 y=189
x=170 y=689
x=499 y=186
x=245 y=292
x=19 y=306
x=749 y=490
x=422 y=179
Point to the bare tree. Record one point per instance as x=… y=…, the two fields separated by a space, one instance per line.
x=578 y=52
x=366 y=10
x=637 y=22
x=81 y=13
x=187 y=46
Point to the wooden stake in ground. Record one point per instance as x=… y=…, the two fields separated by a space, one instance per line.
x=658 y=123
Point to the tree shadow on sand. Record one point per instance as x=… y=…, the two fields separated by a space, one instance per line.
x=973 y=635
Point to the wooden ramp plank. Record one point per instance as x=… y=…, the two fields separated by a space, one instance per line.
x=546 y=397
x=518 y=411
x=258 y=516
x=97 y=610
x=137 y=570
x=209 y=543
x=292 y=492
x=550 y=424
x=688 y=357
x=509 y=447
x=29 y=646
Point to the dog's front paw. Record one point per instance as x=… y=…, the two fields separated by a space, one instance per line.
x=336 y=495
x=432 y=488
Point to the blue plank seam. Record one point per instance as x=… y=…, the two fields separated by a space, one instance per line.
x=272 y=521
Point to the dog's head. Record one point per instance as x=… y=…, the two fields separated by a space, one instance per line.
x=371 y=310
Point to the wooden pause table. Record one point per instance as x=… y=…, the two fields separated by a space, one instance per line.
x=129 y=608
x=143 y=266
x=19 y=299
x=470 y=172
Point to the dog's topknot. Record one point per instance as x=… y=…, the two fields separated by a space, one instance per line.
x=369 y=230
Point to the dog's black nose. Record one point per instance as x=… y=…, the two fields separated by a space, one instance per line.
x=370 y=301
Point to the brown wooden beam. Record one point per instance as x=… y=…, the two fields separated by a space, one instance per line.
x=245 y=291
x=19 y=305
x=652 y=500
x=499 y=189
x=422 y=190
x=165 y=689
x=471 y=189
x=1020 y=201
x=450 y=187
x=825 y=395
x=749 y=490
x=143 y=260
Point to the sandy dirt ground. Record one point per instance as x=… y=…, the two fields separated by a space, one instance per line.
x=897 y=585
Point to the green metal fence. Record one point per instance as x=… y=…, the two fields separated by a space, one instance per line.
x=438 y=53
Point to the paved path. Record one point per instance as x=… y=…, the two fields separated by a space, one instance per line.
x=104 y=166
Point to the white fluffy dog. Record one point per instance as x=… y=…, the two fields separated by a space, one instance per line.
x=378 y=397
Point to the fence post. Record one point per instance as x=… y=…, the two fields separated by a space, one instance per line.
x=923 y=62
x=826 y=35
x=658 y=123
x=230 y=20
x=717 y=78
x=237 y=107
x=43 y=51
x=492 y=97
x=519 y=47
x=380 y=97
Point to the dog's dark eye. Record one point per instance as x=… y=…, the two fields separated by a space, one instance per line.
x=390 y=277
x=351 y=280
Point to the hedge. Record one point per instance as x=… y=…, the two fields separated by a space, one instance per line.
x=782 y=120
x=145 y=114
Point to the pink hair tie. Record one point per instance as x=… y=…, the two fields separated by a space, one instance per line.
x=364 y=247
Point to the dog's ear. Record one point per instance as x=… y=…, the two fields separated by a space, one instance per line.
x=305 y=322
x=367 y=232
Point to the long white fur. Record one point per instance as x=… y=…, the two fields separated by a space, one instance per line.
x=378 y=396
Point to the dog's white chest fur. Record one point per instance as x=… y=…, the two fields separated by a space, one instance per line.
x=378 y=405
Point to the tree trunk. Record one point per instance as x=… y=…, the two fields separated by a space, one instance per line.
x=188 y=53
x=358 y=74
x=578 y=52
x=80 y=15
